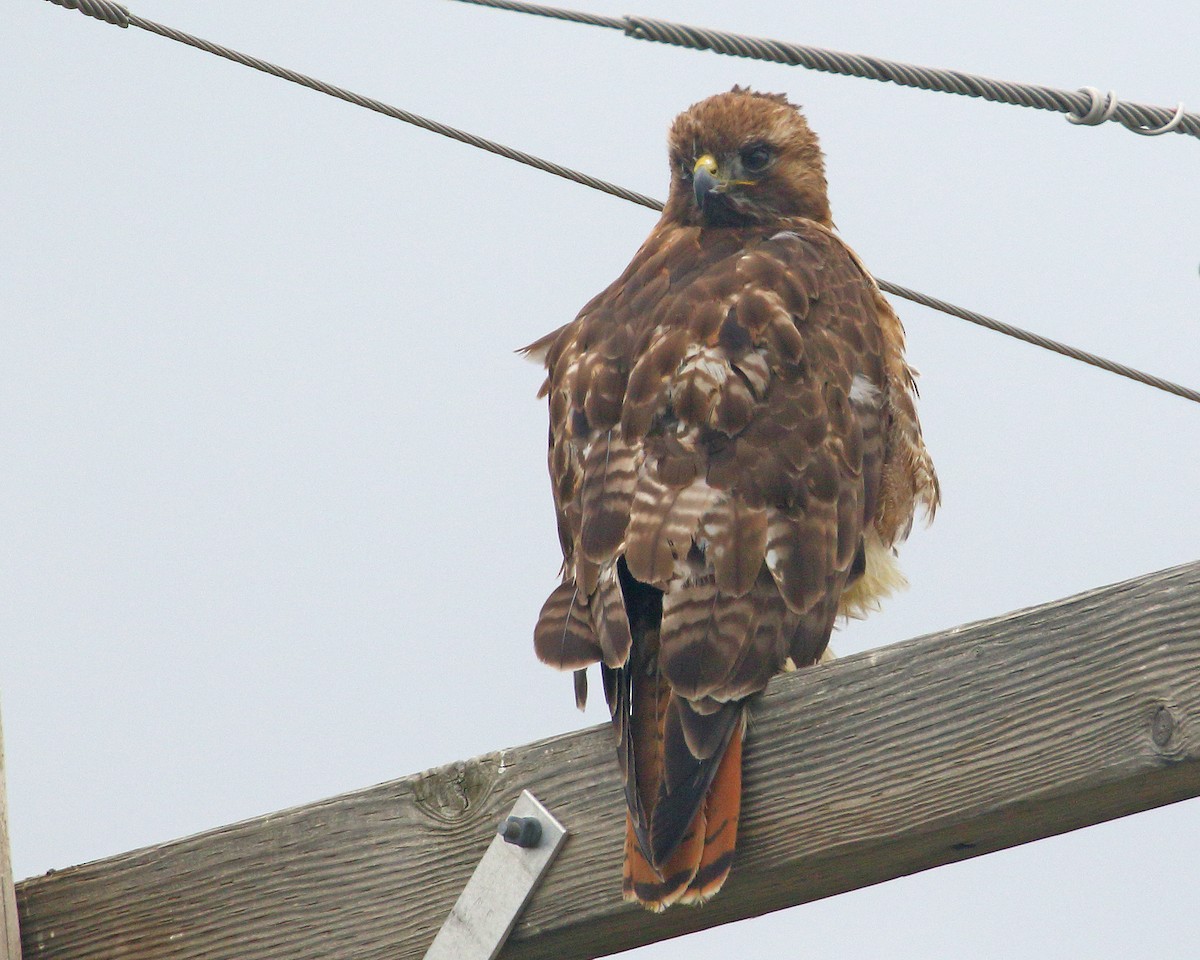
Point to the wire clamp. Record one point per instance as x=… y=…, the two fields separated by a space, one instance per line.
x=1102 y=108
x=1165 y=128
x=503 y=881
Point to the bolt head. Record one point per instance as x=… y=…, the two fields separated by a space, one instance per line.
x=522 y=831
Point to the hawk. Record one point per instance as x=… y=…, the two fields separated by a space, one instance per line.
x=734 y=454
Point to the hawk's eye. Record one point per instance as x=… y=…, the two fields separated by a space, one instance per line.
x=756 y=157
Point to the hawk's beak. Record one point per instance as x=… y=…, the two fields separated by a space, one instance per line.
x=704 y=179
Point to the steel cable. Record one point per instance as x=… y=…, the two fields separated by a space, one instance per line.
x=1086 y=106
x=119 y=16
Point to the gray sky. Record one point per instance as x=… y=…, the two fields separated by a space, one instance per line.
x=276 y=520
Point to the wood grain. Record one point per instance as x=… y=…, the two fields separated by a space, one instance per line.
x=872 y=767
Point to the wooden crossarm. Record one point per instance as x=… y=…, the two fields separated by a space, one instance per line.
x=878 y=765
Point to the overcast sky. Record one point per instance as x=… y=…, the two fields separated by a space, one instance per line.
x=273 y=489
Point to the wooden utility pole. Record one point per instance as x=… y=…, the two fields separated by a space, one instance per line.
x=10 y=937
x=875 y=766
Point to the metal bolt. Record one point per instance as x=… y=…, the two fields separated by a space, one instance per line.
x=523 y=831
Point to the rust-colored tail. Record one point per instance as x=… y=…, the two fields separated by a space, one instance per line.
x=681 y=762
x=697 y=868
x=721 y=812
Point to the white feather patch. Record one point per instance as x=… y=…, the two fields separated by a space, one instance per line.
x=879 y=581
x=863 y=392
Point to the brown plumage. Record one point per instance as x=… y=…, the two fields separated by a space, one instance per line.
x=734 y=452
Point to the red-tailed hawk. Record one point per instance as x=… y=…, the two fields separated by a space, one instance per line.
x=734 y=452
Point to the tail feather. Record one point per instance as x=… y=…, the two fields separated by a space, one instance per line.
x=687 y=865
x=691 y=749
x=722 y=810
x=682 y=769
x=656 y=888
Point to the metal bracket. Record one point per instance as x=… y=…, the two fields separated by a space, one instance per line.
x=503 y=881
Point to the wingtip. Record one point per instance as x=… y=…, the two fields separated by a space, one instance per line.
x=537 y=351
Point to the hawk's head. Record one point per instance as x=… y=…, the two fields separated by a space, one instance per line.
x=741 y=158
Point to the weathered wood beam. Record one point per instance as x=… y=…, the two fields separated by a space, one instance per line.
x=878 y=765
x=10 y=938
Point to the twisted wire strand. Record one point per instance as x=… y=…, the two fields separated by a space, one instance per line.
x=554 y=13
x=999 y=326
x=387 y=110
x=119 y=16
x=104 y=10
x=1078 y=104
x=116 y=14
